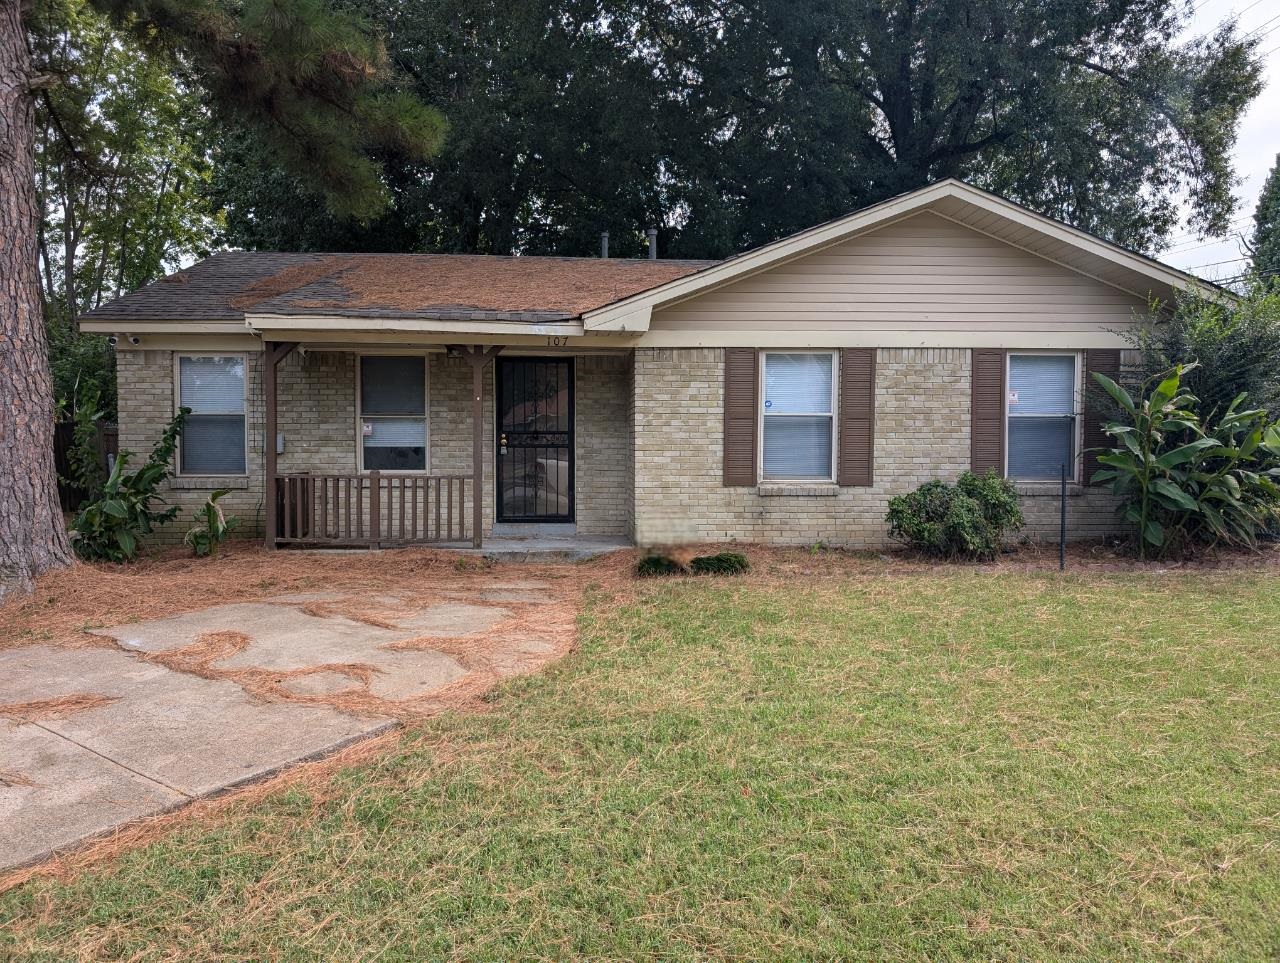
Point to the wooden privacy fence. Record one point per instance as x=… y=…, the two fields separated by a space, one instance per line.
x=107 y=443
x=377 y=509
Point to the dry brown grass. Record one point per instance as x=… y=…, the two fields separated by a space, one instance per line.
x=378 y=587
x=314 y=777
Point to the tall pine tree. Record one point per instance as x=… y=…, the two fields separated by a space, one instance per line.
x=1265 y=243
x=311 y=79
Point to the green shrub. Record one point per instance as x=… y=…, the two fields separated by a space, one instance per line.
x=655 y=565
x=1184 y=483
x=722 y=563
x=84 y=462
x=212 y=526
x=967 y=520
x=1226 y=348
x=109 y=528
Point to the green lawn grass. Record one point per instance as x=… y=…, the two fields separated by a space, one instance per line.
x=959 y=764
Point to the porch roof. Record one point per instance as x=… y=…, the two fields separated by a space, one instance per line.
x=264 y=288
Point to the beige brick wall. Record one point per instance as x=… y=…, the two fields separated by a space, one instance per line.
x=604 y=444
x=317 y=393
x=921 y=433
x=147 y=403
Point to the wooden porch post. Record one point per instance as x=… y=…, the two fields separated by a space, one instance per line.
x=273 y=352
x=479 y=358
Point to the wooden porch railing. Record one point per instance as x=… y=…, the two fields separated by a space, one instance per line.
x=377 y=509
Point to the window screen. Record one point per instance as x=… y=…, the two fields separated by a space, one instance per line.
x=1042 y=415
x=212 y=441
x=393 y=413
x=798 y=416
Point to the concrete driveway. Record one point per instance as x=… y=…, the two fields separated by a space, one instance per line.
x=170 y=710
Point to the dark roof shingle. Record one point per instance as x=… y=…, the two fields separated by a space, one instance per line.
x=226 y=286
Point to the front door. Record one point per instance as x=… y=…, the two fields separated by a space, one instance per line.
x=535 y=439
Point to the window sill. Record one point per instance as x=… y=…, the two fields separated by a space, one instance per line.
x=797 y=490
x=209 y=482
x=1044 y=489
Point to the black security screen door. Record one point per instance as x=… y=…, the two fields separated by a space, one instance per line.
x=535 y=439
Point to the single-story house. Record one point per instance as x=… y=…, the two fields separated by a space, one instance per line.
x=782 y=395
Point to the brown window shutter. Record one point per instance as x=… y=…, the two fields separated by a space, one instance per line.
x=1104 y=361
x=741 y=385
x=857 y=416
x=986 y=429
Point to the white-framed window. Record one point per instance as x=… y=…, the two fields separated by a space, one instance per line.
x=213 y=439
x=1042 y=411
x=391 y=418
x=797 y=415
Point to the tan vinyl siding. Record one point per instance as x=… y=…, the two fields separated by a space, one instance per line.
x=923 y=272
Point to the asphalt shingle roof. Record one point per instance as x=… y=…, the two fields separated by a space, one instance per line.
x=229 y=285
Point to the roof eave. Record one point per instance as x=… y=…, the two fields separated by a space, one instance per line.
x=633 y=313
x=267 y=324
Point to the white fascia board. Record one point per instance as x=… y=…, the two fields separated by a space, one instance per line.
x=110 y=326
x=265 y=324
x=884 y=338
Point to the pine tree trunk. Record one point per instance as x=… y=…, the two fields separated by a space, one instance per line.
x=33 y=538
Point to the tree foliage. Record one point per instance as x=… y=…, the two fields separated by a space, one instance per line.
x=121 y=171
x=728 y=123
x=1226 y=346
x=1265 y=243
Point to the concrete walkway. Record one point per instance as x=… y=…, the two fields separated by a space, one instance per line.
x=183 y=707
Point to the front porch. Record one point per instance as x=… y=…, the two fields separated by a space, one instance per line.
x=505 y=450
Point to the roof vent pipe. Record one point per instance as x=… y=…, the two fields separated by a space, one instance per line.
x=604 y=243
x=652 y=235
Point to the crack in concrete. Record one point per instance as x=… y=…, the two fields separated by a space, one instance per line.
x=115 y=762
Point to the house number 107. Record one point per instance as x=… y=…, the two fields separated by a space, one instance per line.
x=557 y=341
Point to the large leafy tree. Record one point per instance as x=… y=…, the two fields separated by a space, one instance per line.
x=1265 y=243
x=733 y=122
x=121 y=174
x=558 y=130
x=312 y=80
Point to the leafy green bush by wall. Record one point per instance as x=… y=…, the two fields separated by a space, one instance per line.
x=110 y=527
x=1226 y=348
x=1185 y=484
x=84 y=465
x=967 y=520
x=212 y=526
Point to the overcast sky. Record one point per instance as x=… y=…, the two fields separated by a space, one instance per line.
x=1258 y=144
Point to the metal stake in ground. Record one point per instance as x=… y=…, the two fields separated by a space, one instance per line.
x=1062 y=523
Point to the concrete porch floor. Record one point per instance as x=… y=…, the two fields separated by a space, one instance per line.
x=548 y=548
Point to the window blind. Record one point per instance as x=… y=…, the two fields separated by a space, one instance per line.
x=1042 y=422
x=213 y=438
x=393 y=408
x=798 y=416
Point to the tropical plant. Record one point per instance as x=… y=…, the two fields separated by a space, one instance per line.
x=84 y=460
x=967 y=520
x=1183 y=483
x=110 y=528
x=212 y=526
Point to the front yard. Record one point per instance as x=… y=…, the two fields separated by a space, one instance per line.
x=815 y=760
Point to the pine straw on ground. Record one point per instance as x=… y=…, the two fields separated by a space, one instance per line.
x=378 y=586
x=40 y=710
x=315 y=777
